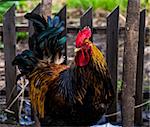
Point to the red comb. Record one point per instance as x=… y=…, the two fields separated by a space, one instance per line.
x=85 y=33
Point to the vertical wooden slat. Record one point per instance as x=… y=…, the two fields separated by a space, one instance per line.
x=36 y=10
x=112 y=52
x=87 y=20
x=63 y=17
x=139 y=74
x=9 y=39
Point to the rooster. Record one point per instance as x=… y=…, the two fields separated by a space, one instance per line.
x=78 y=94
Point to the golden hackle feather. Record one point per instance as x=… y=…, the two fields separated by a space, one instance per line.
x=99 y=81
x=99 y=62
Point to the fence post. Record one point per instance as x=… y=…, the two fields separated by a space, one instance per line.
x=87 y=20
x=31 y=28
x=139 y=74
x=63 y=17
x=112 y=52
x=36 y=10
x=9 y=39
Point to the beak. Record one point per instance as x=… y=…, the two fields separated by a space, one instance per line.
x=77 y=49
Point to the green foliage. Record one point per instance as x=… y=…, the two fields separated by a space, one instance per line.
x=103 y=4
x=146 y=88
x=146 y=107
x=120 y=82
x=3 y=8
x=119 y=85
x=21 y=6
x=146 y=3
x=1 y=45
x=26 y=5
x=22 y=35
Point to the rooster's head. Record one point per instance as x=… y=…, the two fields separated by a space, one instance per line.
x=26 y=61
x=83 y=47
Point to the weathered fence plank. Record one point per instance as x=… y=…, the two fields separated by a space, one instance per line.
x=36 y=10
x=139 y=73
x=63 y=17
x=112 y=52
x=9 y=39
x=87 y=20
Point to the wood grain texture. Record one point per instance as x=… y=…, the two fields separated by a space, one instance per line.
x=112 y=52
x=87 y=20
x=62 y=14
x=139 y=74
x=9 y=38
x=36 y=10
x=130 y=62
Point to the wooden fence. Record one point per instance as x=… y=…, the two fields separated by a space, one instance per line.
x=112 y=31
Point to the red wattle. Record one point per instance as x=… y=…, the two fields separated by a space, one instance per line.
x=82 y=58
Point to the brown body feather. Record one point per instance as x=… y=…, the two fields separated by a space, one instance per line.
x=42 y=79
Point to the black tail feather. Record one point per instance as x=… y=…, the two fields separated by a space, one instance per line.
x=47 y=39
